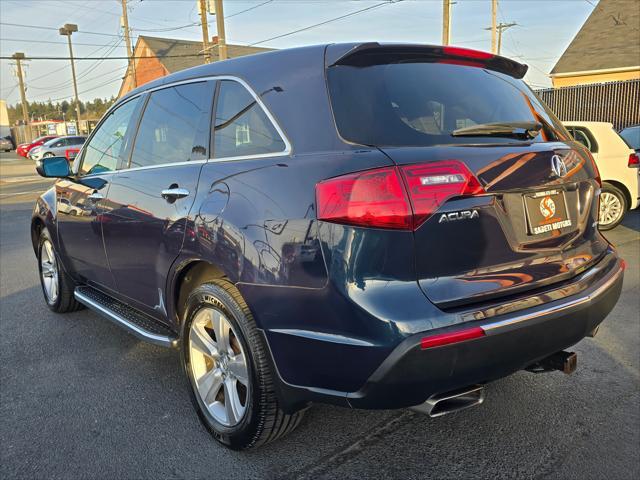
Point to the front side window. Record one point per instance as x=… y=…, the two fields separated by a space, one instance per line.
x=174 y=126
x=108 y=144
x=241 y=127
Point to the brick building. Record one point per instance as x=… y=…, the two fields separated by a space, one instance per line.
x=167 y=55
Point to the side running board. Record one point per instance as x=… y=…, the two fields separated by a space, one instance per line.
x=135 y=322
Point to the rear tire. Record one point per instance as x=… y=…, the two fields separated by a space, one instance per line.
x=613 y=206
x=218 y=310
x=57 y=285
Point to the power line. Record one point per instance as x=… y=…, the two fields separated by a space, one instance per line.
x=247 y=9
x=7 y=57
x=371 y=7
x=54 y=29
x=49 y=41
x=167 y=29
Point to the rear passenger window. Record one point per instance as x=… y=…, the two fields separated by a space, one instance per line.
x=174 y=126
x=241 y=126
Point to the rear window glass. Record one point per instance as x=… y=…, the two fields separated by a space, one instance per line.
x=420 y=104
x=631 y=136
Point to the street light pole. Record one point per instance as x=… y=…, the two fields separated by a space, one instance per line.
x=67 y=30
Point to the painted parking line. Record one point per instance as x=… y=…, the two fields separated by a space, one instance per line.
x=20 y=193
x=25 y=179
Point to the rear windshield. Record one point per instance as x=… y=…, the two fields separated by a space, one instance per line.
x=420 y=104
x=631 y=136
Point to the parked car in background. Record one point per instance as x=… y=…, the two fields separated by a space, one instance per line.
x=618 y=166
x=58 y=147
x=24 y=148
x=631 y=135
x=6 y=144
x=365 y=225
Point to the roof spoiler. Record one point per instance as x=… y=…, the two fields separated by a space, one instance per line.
x=367 y=54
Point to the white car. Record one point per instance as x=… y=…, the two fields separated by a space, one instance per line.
x=618 y=166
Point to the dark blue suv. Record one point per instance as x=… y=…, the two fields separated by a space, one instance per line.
x=366 y=225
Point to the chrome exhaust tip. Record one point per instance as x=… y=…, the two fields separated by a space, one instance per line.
x=449 y=402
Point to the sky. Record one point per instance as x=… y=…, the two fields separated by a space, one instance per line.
x=544 y=30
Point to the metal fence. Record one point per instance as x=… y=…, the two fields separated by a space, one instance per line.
x=615 y=102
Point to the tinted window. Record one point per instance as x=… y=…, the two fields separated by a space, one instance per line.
x=631 y=136
x=582 y=136
x=76 y=140
x=174 y=126
x=420 y=104
x=109 y=143
x=241 y=126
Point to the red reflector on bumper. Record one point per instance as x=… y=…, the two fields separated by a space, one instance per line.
x=453 y=337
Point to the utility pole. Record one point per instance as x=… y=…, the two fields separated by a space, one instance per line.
x=222 y=42
x=446 y=22
x=127 y=39
x=18 y=57
x=205 y=31
x=67 y=30
x=494 y=15
x=499 y=28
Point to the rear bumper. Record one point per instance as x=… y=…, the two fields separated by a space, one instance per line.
x=409 y=375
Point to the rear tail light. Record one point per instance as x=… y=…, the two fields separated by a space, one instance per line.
x=634 y=161
x=375 y=198
x=400 y=198
x=430 y=185
x=449 y=338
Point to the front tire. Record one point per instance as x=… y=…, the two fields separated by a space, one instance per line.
x=57 y=285
x=613 y=206
x=226 y=362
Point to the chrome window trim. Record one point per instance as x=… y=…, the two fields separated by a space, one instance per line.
x=284 y=153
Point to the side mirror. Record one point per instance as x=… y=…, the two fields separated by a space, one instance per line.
x=53 y=167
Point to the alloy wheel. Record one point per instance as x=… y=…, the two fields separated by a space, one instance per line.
x=610 y=208
x=49 y=271
x=219 y=366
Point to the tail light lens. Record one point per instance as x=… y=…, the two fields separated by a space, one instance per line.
x=400 y=198
x=634 y=161
x=432 y=184
x=375 y=198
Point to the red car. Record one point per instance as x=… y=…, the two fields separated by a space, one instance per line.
x=23 y=148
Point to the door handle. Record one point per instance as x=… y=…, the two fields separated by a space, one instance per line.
x=95 y=197
x=171 y=194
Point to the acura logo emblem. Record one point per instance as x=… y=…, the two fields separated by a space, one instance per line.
x=558 y=166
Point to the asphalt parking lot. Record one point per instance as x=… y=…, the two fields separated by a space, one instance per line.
x=80 y=398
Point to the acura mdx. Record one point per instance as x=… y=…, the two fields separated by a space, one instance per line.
x=367 y=225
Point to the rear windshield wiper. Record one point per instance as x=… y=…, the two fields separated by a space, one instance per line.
x=525 y=130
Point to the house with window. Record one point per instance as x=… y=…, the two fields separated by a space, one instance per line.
x=606 y=49
x=157 y=57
